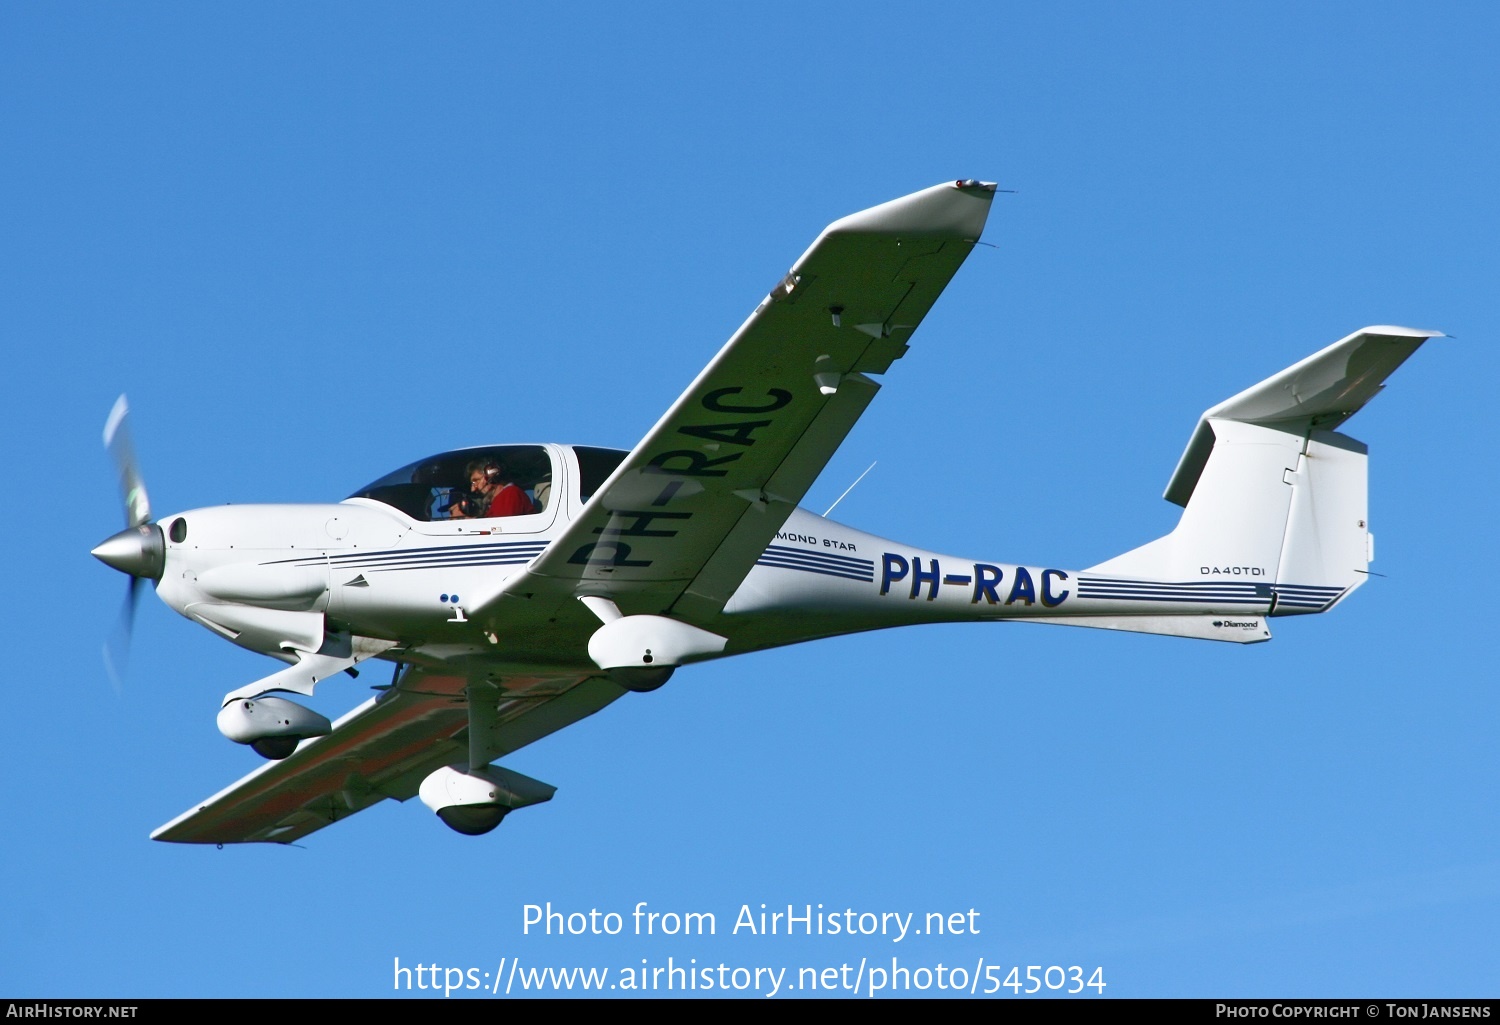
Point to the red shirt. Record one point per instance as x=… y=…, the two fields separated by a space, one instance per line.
x=510 y=501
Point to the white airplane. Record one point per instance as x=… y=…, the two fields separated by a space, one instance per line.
x=520 y=588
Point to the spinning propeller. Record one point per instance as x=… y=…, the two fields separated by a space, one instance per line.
x=139 y=550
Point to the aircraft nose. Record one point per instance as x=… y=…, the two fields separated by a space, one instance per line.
x=139 y=551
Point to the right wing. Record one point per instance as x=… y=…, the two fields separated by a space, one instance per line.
x=683 y=519
x=384 y=748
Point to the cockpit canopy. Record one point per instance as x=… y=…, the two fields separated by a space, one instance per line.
x=438 y=487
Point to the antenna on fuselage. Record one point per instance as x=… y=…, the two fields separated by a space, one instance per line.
x=850 y=488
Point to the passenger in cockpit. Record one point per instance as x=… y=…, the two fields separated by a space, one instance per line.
x=491 y=493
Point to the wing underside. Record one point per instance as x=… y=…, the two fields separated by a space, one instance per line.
x=382 y=749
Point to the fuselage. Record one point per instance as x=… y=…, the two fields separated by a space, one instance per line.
x=270 y=576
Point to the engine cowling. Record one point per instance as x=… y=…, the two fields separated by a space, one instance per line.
x=475 y=802
x=271 y=726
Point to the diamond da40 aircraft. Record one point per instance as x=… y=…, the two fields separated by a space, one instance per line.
x=520 y=588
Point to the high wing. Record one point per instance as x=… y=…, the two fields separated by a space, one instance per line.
x=683 y=519
x=383 y=749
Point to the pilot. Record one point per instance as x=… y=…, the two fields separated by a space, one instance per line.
x=491 y=493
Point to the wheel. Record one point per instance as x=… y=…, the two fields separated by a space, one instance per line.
x=641 y=679
x=472 y=819
x=274 y=748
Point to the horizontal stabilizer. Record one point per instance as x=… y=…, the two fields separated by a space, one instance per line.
x=1246 y=630
x=1320 y=392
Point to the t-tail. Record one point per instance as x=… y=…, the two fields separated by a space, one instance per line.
x=1274 y=523
x=1275 y=517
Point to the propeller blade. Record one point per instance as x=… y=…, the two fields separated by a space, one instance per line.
x=137 y=514
x=132 y=488
x=117 y=647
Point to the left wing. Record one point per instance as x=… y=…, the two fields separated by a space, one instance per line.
x=683 y=519
x=384 y=748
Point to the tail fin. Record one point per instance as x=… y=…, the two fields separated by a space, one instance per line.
x=1272 y=493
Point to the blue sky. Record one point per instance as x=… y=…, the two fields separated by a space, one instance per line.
x=315 y=243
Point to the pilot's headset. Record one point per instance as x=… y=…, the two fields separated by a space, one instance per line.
x=492 y=472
